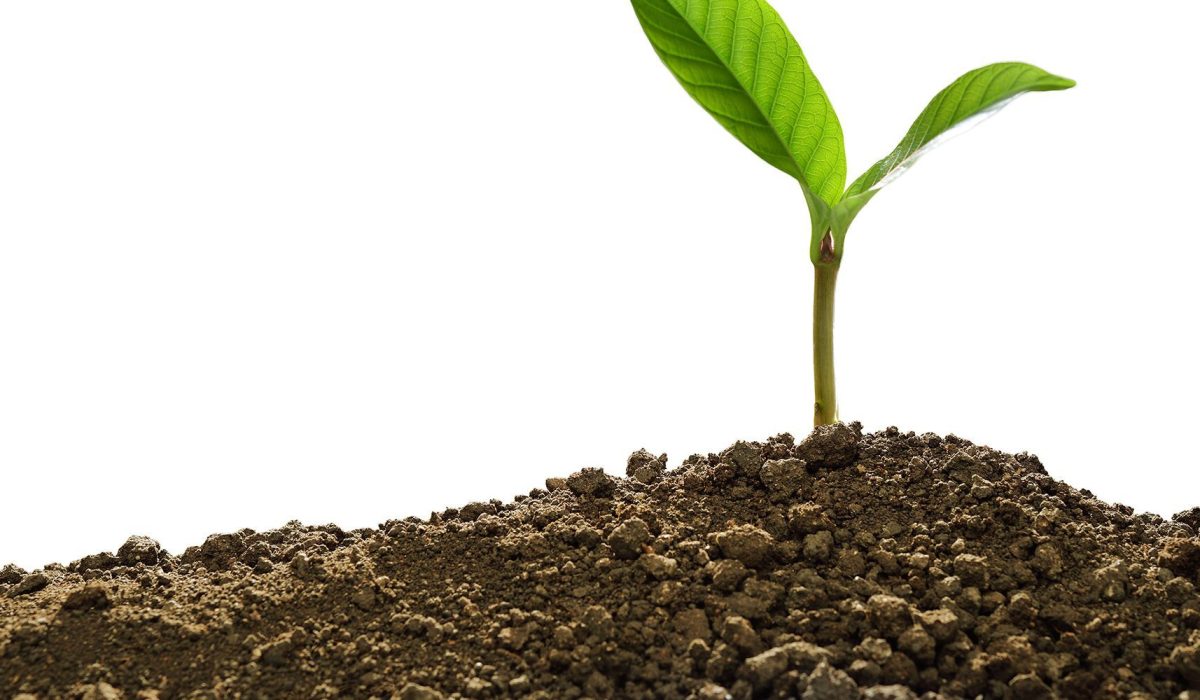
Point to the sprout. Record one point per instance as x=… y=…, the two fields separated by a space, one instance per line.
x=740 y=62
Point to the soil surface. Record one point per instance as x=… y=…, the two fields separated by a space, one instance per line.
x=842 y=567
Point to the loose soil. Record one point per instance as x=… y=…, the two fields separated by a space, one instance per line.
x=845 y=566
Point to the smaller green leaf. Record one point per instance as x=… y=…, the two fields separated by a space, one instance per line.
x=973 y=97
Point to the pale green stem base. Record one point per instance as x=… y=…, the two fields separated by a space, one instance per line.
x=825 y=411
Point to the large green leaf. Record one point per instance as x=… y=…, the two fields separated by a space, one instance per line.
x=973 y=96
x=740 y=62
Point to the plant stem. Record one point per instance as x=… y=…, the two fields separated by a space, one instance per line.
x=823 y=382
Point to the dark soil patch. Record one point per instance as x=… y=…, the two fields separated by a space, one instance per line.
x=846 y=566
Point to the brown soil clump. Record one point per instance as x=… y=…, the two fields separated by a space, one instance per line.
x=885 y=566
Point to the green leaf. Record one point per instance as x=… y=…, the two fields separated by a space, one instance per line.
x=974 y=96
x=740 y=62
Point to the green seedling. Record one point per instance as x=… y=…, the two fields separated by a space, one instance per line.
x=739 y=61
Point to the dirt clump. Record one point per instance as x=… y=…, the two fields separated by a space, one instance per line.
x=887 y=566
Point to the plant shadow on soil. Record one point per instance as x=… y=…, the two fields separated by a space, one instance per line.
x=887 y=565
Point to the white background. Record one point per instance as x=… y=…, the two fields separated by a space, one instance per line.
x=354 y=261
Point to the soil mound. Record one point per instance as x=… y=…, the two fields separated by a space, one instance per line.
x=881 y=566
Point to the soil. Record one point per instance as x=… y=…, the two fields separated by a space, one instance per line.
x=844 y=566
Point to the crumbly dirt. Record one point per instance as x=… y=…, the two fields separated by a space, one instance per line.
x=882 y=566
